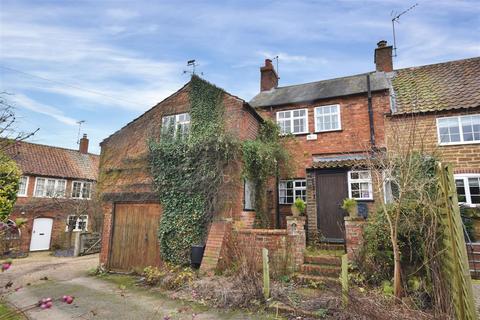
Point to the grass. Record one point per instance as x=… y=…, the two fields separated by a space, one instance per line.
x=5 y=310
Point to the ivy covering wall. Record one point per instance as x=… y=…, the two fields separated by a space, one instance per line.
x=189 y=170
x=9 y=181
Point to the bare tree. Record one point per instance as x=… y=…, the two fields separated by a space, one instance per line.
x=404 y=185
x=8 y=131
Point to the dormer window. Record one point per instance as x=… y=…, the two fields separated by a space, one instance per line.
x=176 y=123
x=293 y=121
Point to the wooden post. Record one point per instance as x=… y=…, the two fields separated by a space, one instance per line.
x=455 y=253
x=266 y=274
x=344 y=280
x=76 y=248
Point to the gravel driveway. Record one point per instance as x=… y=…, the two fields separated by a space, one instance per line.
x=95 y=298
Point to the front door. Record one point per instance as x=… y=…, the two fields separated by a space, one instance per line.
x=331 y=188
x=41 y=234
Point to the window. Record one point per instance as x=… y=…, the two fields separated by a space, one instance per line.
x=22 y=186
x=293 y=121
x=180 y=123
x=360 y=185
x=81 y=189
x=77 y=223
x=390 y=189
x=458 y=130
x=468 y=188
x=289 y=190
x=327 y=118
x=248 y=195
x=45 y=187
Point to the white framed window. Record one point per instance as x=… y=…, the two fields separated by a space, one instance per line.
x=180 y=123
x=47 y=187
x=77 y=223
x=360 y=185
x=293 y=121
x=458 y=130
x=390 y=189
x=22 y=186
x=81 y=189
x=289 y=190
x=248 y=195
x=327 y=118
x=468 y=188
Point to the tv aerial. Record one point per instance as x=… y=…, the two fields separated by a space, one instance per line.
x=79 y=127
x=396 y=19
x=192 y=65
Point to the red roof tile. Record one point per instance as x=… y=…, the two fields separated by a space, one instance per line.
x=42 y=160
x=436 y=87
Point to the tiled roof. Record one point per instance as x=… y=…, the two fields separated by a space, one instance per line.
x=42 y=160
x=321 y=90
x=442 y=86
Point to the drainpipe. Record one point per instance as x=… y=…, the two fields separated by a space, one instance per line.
x=370 y=113
x=277 y=206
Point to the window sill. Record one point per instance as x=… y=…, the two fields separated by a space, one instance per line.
x=294 y=134
x=325 y=131
x=446 y=144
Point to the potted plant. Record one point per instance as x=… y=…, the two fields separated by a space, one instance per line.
x=350 y=205
x=298 y=207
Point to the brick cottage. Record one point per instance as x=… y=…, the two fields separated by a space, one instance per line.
x=335 y=122
x=55 y=193
x=130 y=205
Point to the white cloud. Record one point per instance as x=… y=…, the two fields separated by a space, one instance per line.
x=23 y=101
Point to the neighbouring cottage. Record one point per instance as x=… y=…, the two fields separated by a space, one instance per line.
x=334 y=123
x=55 y=193
x=441 y=102
x=131 y=206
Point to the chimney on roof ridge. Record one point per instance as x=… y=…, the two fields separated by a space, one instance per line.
x=268 y=76
x=83 y=144
x=383 y=57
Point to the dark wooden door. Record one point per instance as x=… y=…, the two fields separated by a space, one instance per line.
x=134 y=236
x=332 y=188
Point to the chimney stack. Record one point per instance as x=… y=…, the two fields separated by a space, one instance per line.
x=383 y=57
x=83 y=144
x=268 y=76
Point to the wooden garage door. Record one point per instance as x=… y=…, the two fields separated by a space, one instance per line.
x=134 y=239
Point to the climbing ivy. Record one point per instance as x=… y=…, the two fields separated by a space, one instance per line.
x=264 y=158
x=9 y=180
x=188 y=171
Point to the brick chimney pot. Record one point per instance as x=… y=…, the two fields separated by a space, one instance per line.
x=383 y=57
x=268 y=76
x=83 y=144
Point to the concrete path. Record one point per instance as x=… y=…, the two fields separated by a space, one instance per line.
x=95 y=298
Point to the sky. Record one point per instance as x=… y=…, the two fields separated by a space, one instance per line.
x=106 y=62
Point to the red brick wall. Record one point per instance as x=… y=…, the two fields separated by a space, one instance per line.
x=353 y=137
x=465 y=157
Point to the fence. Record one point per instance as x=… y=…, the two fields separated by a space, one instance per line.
x=87 y=243
x=455 y=254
